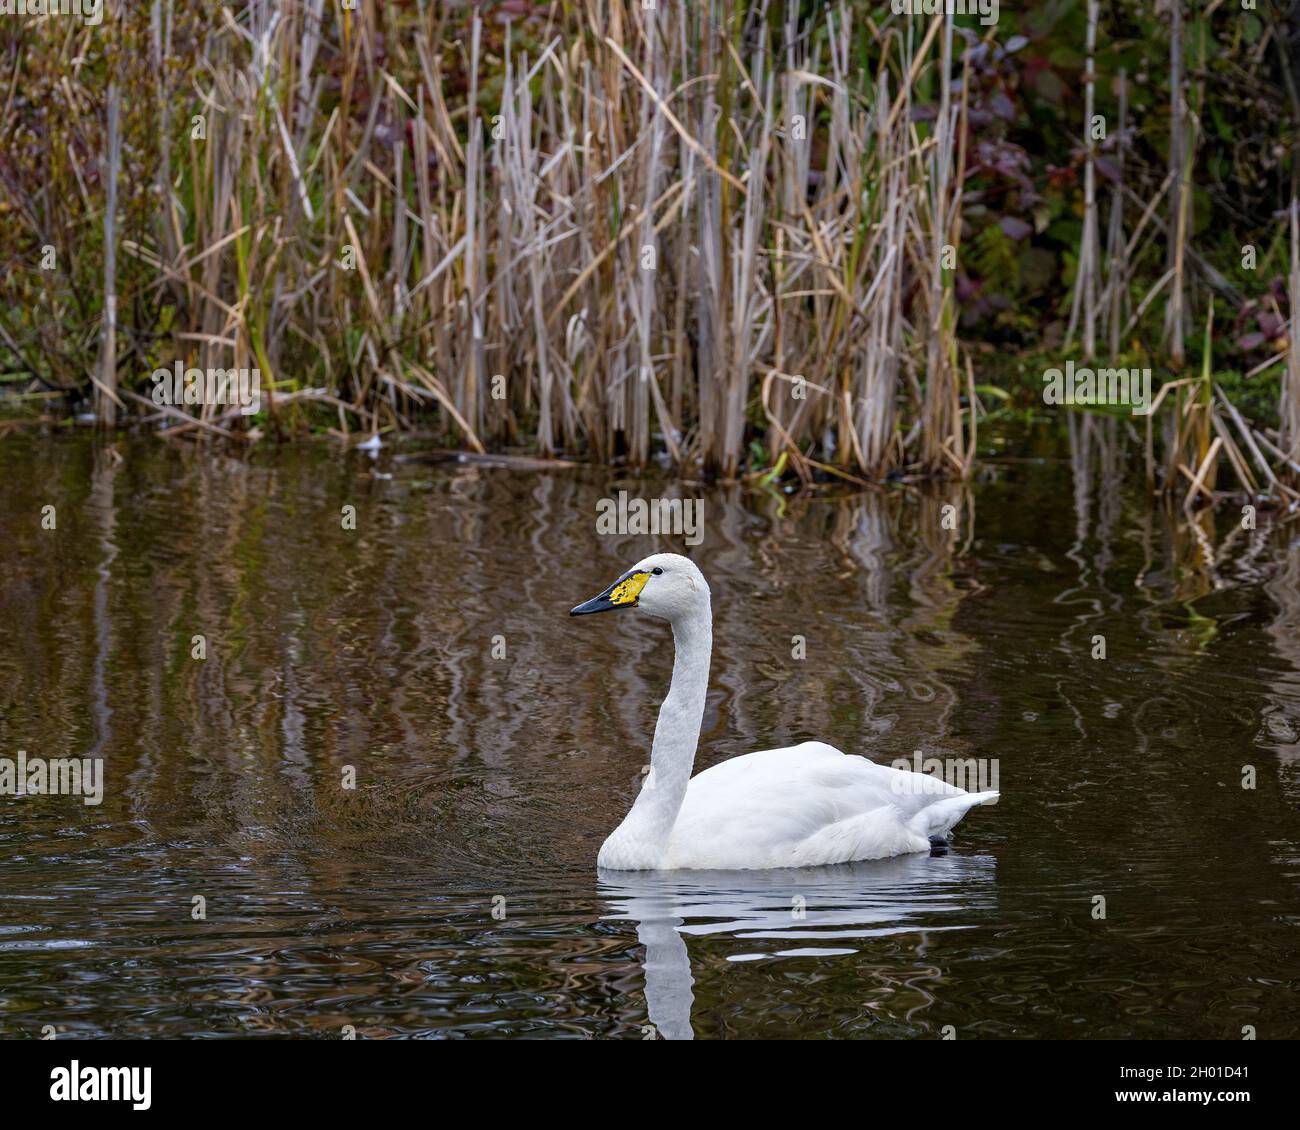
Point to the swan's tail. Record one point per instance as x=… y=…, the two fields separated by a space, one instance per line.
x=938 y=818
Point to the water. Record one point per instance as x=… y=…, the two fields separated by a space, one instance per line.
x=454 y=892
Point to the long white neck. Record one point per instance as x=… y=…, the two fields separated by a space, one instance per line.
x=641 y=841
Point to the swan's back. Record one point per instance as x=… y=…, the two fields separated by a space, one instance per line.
x=807 y=805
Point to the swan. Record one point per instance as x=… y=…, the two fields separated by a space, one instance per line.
x=802 y=806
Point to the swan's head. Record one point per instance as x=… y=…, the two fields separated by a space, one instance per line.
x=666 y=585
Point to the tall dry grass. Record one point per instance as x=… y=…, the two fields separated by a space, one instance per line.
x=717 y=232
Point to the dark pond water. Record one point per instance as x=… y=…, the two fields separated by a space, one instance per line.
x=453 y=891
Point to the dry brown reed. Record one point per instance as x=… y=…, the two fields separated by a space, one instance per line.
x=714 y=232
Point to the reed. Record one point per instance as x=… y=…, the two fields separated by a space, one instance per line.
x=720 y=233
x=674 y=230
x=1289 y=407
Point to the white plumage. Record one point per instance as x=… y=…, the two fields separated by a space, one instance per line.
x=801 y=806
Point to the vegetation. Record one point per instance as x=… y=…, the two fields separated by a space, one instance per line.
x=769 y=237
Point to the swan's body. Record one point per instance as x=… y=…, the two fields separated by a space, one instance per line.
x=802 y=806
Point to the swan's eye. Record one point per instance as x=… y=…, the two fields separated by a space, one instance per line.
x=656 y=570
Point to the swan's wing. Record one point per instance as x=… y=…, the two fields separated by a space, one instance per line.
x=804 y=805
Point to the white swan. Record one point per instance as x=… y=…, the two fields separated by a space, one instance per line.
x=803 y=806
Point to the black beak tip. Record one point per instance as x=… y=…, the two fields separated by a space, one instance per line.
x=599 y=603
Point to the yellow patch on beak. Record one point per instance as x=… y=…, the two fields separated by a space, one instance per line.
x=628 y=589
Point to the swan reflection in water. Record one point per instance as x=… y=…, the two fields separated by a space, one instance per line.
x=820 y=911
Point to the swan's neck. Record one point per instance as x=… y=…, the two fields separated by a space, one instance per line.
x=645 y=832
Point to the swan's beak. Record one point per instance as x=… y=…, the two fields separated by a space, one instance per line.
x=622 y=593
